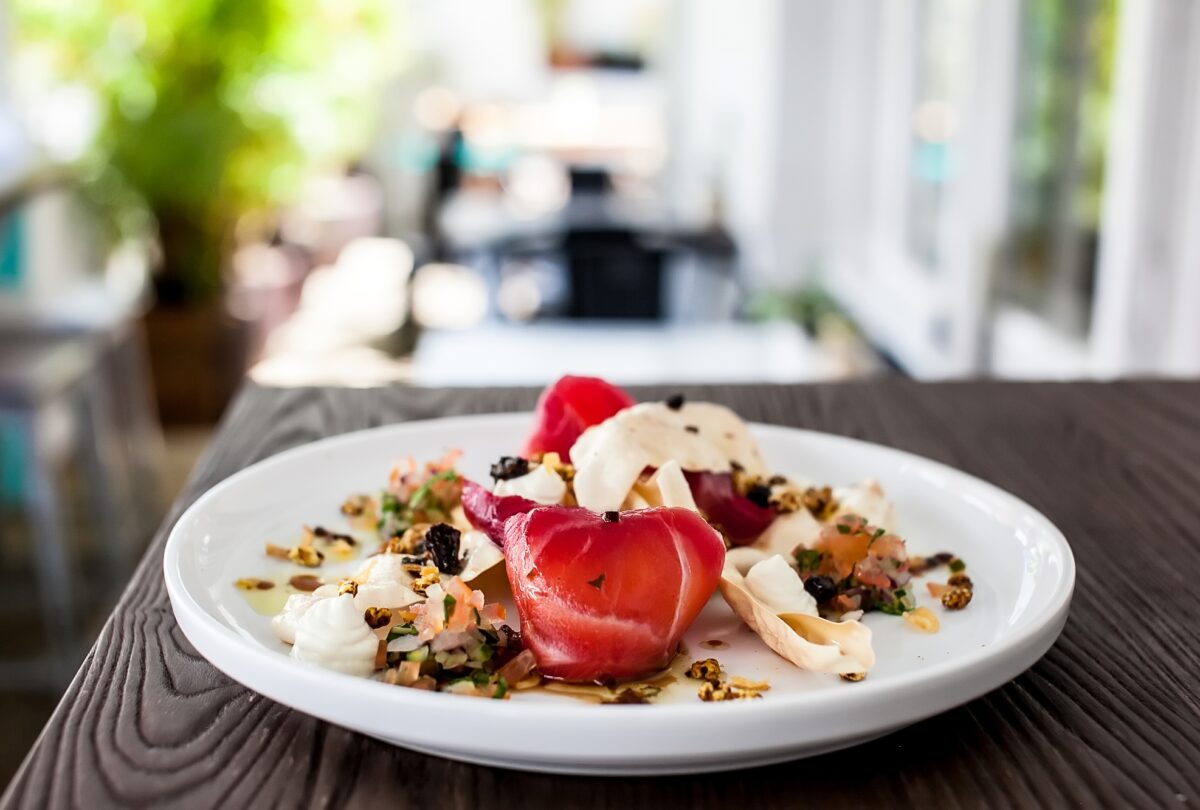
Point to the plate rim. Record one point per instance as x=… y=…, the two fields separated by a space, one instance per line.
x=1034 y=636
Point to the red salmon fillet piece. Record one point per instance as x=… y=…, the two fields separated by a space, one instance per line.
x=603 y=601
x=567 y=408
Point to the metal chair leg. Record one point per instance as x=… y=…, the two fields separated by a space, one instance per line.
x=55 y=591
x=143 y=436
x=97 y=442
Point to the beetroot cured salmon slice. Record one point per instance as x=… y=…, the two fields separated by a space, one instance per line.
x=567 y=408
x=608 y=597
x=488 y=512
x=738 y=517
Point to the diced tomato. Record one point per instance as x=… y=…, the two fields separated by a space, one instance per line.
x=851 y=546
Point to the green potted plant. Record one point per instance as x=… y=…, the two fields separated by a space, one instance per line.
x=210 y=114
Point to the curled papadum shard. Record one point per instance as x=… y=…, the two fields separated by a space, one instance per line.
x=809 y=642
x=867 y=500
x=743 y=558
x=787 y=533
x=666 y=487
x=478 y=553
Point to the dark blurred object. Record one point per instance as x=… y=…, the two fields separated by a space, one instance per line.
x=198 y=355
x=613 y=274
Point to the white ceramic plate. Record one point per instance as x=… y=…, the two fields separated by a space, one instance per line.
x=1021 y=565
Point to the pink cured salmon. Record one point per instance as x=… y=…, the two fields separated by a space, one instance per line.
x=604 y=599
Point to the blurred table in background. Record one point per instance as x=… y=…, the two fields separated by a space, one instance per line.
x=628 y=353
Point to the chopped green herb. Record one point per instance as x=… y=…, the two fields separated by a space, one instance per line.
x=957 y=565
x=843 y=528
x=449 y=602
x=417 y=499
x=401 y=630
x=597 y=582
x=480 y=678
x=501 y=688
x=389 y=503
x=901 y=602
x=808 y=559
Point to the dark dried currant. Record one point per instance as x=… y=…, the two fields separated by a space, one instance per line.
x=821 y=588
x=441 y=542
x=509 y=467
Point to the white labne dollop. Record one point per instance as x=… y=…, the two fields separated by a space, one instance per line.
x=700 y=436
x=774 y=583
x=384 y=583
x=540 y=485
x=332 y=634
x=284 y=623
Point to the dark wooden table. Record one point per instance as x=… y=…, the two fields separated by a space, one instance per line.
x=1111 y=716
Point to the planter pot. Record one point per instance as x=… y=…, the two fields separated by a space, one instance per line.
x=198 y=355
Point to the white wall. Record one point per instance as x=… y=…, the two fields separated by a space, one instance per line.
x=723 y=102
x=1146 y=317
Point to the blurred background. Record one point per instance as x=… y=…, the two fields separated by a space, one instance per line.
x=491 y=192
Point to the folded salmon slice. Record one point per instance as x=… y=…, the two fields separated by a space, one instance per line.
x=567 y=408
x=488 y=512
x=609 y=599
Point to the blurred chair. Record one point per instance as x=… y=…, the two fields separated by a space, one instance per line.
x=42 y=380
x=74 y=398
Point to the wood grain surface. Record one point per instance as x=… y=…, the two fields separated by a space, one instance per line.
x=1110 y=717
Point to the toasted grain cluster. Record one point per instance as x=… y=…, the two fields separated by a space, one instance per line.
x=428 y=575
x=957 y=598
x=407 y=543
x=637 y=693
x=713 y=692
x=819 y=501
x=307 y=556
x=714 y=688
x=355 y=505
x=707 y=669
x=377 y=617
